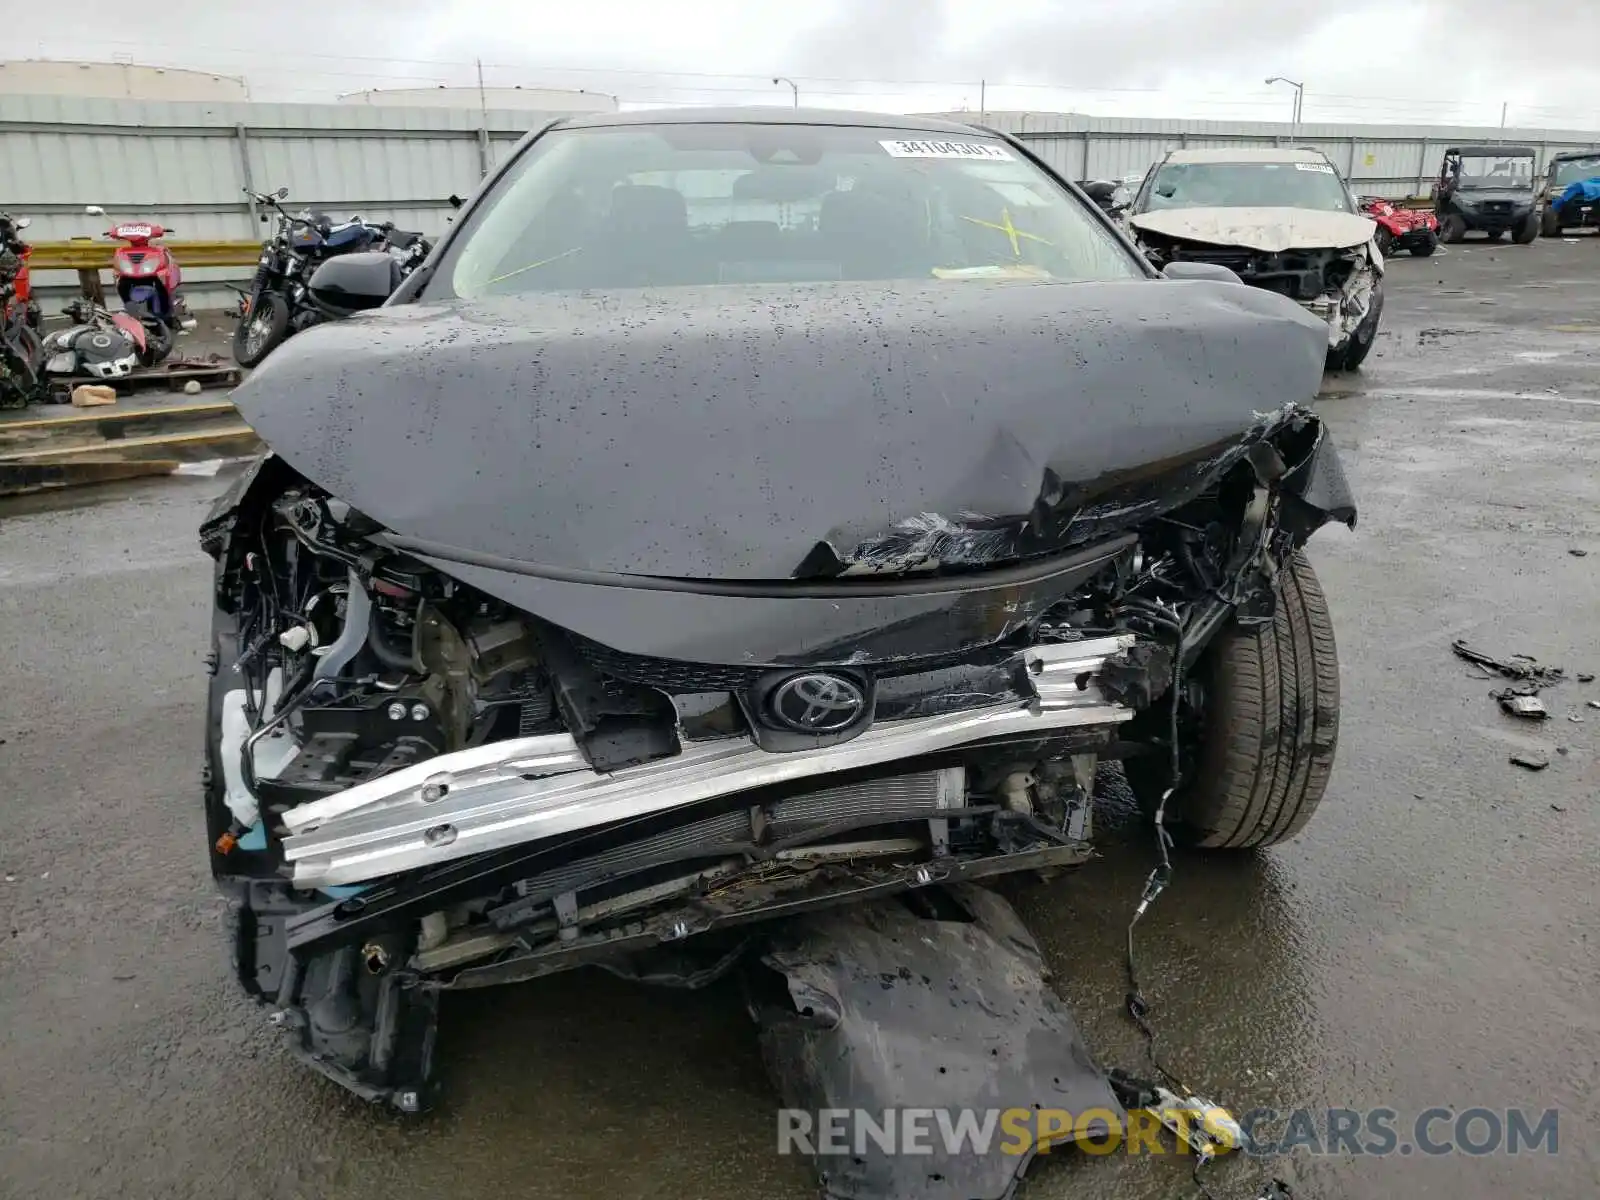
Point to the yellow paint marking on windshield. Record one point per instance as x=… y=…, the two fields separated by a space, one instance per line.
x=543 y=262
x=1011 y=231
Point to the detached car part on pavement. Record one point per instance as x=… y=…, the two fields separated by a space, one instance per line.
x=1282 y=220
x=638 y=574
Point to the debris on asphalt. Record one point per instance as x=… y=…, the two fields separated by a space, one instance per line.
x=1594 y=704
x=1534 y=760
x=1577 y=553
x=1557 y=808
x=93 y=395
x=1526 y=705
x=1518 y=666
x=1583 y=677
x=1575 y=719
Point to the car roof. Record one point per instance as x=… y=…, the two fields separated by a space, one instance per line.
x=1569 y=155
x=772 y=114
x=1247 y=154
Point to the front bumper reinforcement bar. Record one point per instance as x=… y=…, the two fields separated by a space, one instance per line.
x=506 y=793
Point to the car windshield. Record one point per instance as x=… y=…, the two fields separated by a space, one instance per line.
x=1248 y=185
x=1576 y=169
x=700 y=204
x=1496 y=172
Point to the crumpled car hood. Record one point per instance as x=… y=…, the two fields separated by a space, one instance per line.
x=769 y=433
x=1267 y=229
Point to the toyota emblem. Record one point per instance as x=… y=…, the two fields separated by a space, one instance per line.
x=818 y=703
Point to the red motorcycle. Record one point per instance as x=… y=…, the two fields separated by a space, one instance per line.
x=1401 y=228
x=148 y=281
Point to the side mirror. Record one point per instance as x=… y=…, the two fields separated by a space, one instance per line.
x=1100 y=191
x=355 y=281
x=262 y=217
x=282 y=193
x=22 y=222
x=94 y=210
x=456 y=201
x=1200 y=270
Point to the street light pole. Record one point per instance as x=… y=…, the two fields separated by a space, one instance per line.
x=1299 y=104
x=793 y=87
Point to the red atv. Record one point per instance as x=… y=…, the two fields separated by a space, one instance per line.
x=1401 y=228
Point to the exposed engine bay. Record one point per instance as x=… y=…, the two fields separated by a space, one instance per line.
x=413 y=786
x=1335 y=284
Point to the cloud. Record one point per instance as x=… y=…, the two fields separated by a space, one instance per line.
x=1360 y=59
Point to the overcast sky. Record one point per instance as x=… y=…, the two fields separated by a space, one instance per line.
x=1435 y=61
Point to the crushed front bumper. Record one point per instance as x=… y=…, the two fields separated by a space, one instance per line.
x=501 y=795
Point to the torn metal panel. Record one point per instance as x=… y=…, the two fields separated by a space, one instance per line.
x=1345 y=309
x=936 y=1006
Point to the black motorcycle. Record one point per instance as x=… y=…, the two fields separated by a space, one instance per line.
x=21 y=349
x=279 y=303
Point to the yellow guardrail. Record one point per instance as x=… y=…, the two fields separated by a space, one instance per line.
x=90 y=254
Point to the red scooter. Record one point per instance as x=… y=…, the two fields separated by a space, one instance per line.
x=148 y=280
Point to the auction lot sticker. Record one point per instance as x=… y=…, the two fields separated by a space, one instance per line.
x=974 y=150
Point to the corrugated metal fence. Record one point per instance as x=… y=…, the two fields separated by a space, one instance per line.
x=184 y=164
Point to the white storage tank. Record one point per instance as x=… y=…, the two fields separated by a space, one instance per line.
x=115 y=80
x=532 y=99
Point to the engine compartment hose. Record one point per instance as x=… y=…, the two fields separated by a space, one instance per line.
x=357 y=621
x=386 y=653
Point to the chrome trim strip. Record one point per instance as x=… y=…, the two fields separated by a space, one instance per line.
x=482 y=799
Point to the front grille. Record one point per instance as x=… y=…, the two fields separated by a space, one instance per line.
x=668 y=674
x=676 y=677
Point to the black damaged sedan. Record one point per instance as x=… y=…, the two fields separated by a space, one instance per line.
x=744 y=515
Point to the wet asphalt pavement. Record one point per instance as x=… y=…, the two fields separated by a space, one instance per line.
x=1432 y=939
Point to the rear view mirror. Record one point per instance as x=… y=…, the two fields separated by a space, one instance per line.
x=355 y=281
x=282 y=193
x=22 y=222
x=1100 y=191
x=94 y=210
x=456 y=201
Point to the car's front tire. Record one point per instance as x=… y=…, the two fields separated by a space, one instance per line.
x=1425 y=247
x=1271 y=725
x=1452 y=229
x=1527 y=231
